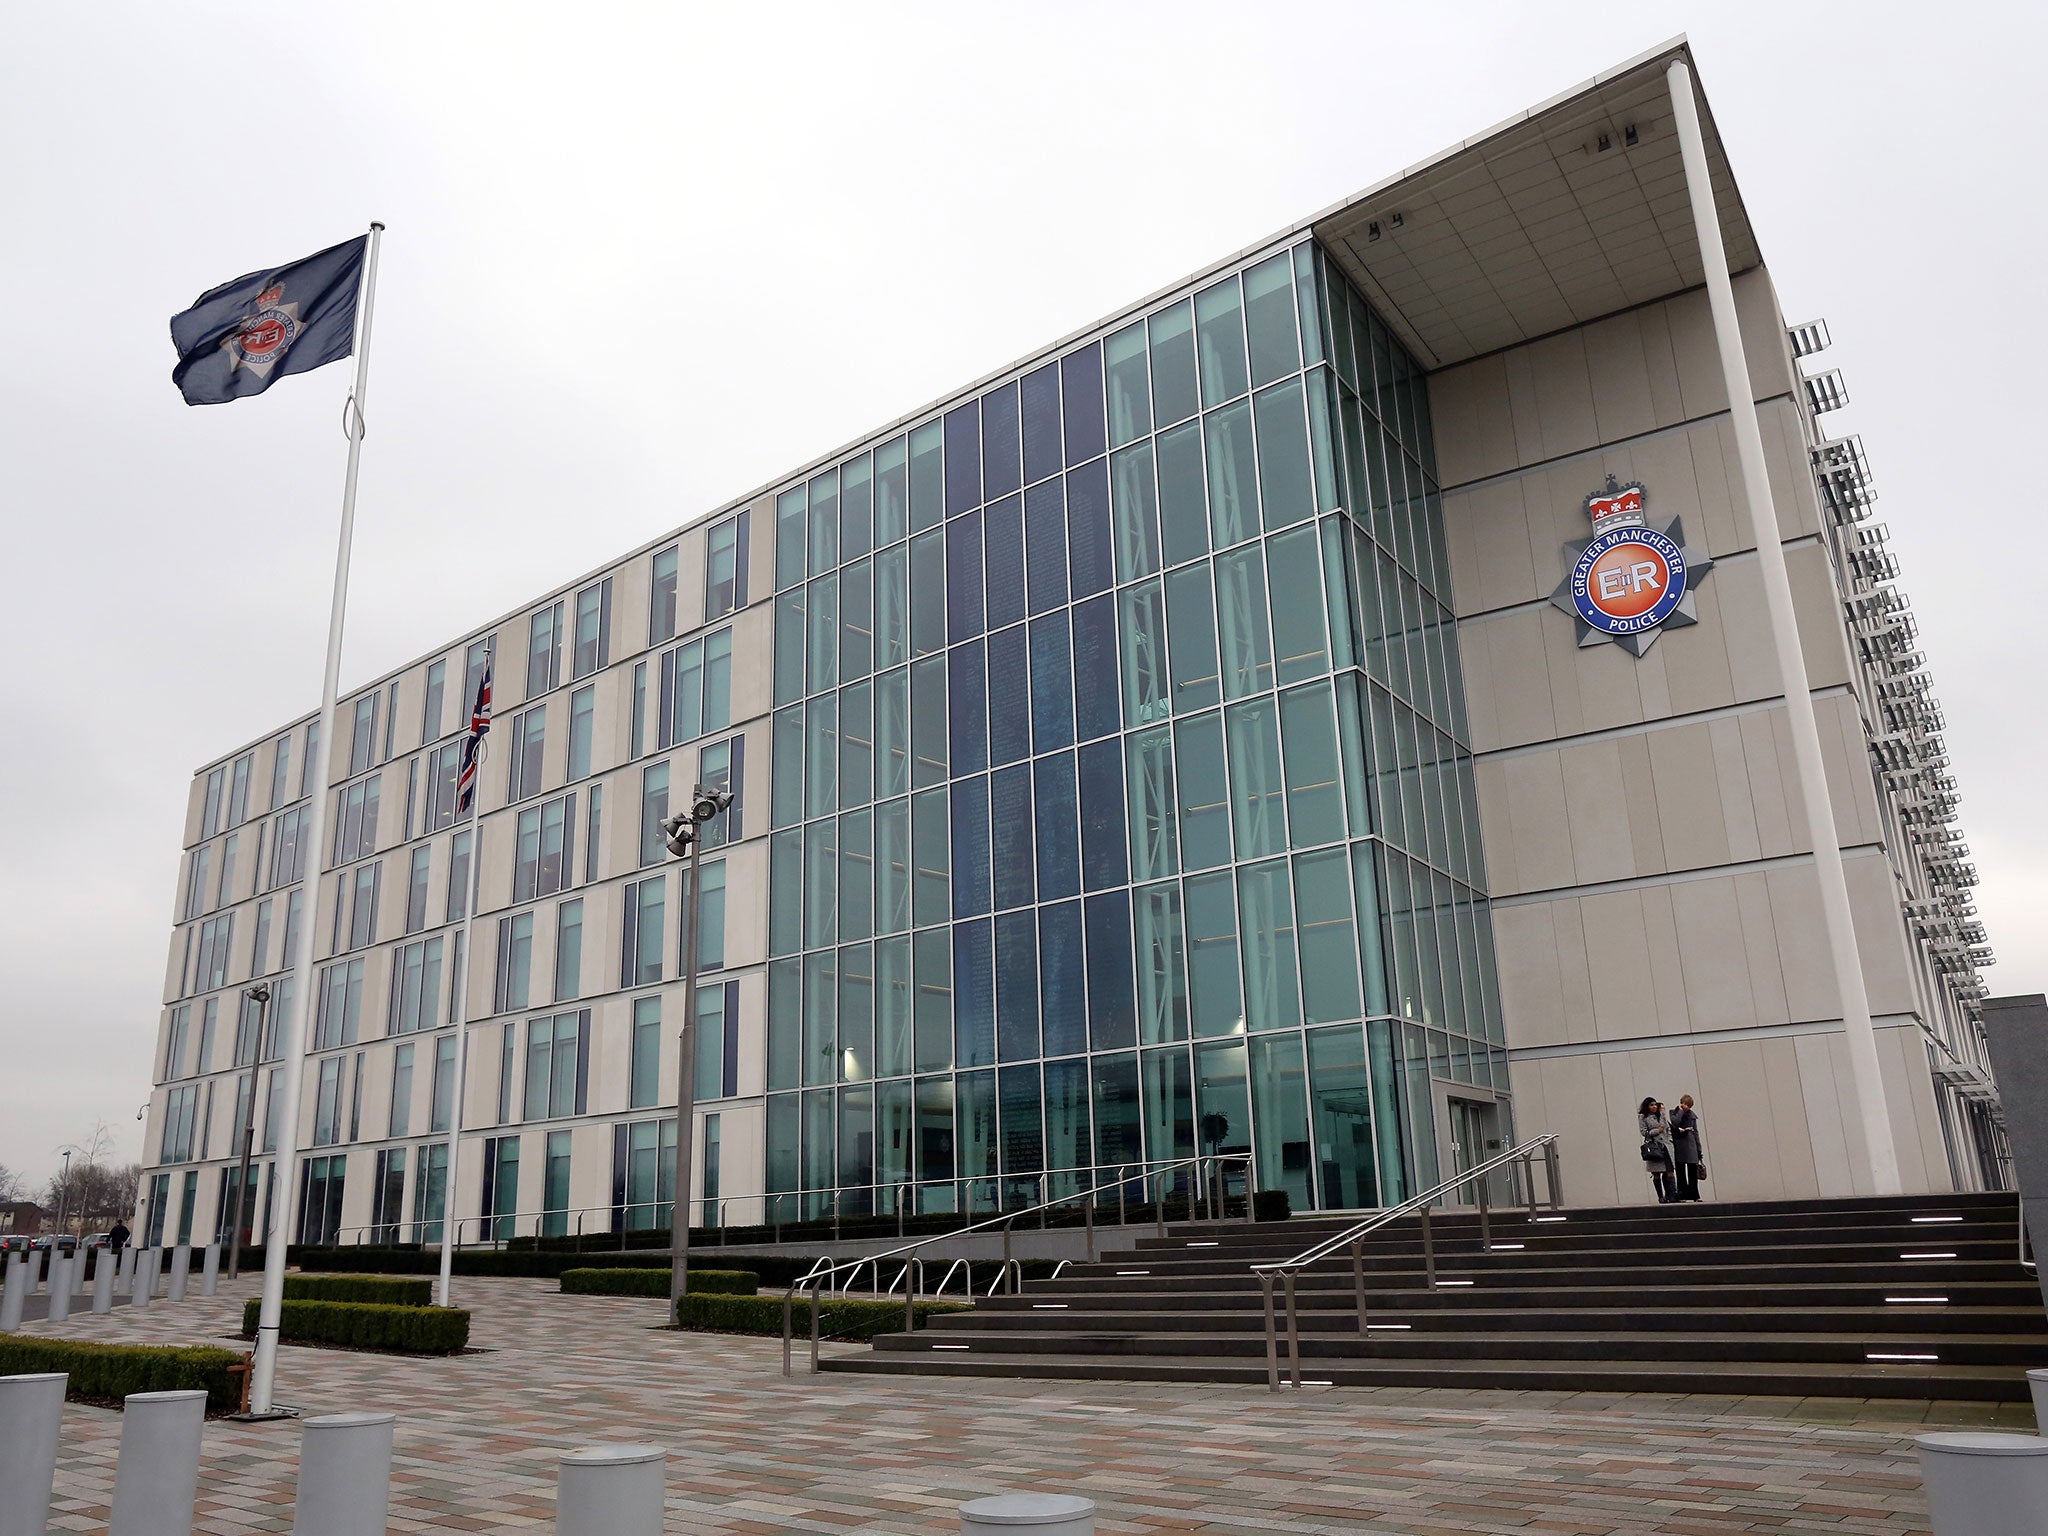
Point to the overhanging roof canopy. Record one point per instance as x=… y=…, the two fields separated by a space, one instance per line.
x=1533 y=227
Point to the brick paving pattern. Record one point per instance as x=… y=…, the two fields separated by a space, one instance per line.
x=751 y=1452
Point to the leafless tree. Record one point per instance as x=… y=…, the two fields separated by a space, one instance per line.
x=92 y=1192
x=11 y=1185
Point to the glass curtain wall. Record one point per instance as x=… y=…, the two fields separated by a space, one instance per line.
x=1122 y=798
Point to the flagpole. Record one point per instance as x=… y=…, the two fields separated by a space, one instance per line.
x=475 y=881
x=295 y=1034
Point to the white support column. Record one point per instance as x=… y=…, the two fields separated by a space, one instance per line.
x=181 y=1272
x=1880 y=1155
x=31 y=1418
x=209 y=1273
x=156 y=1481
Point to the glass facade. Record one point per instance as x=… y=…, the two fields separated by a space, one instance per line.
x=1122 y=806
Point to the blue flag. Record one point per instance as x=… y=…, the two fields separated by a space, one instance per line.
x=240 y=338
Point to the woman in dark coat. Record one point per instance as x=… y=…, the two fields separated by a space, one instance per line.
x=1685 y=1148
x=1657 y=1158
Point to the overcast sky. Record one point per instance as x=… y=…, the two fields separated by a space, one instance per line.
x=643 y=259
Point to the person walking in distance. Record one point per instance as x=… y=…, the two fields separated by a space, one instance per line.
x=1657 y=1158
x=1685 y=1149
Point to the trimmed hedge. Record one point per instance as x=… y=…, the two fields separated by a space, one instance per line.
x=848 y=1319
x=109 y=1372
x=377 y=1290
x=655 y=1282
x=361 y=1325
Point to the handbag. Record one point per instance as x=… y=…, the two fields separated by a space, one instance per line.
x=1699 y=1172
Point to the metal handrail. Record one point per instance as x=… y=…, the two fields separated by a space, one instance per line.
x=1353 y=1237
x=1011 y=1270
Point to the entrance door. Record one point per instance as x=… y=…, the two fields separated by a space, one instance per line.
x=1475 y=1136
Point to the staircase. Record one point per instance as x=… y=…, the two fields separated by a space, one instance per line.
x=1908 y=1297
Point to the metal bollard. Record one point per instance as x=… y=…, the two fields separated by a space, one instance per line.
x=344 y=1475
x=123 y=1271
x=35 y=1272
x=60 y=1288
x=209 y=1272
x=103 y=1283
x=157 y=1480
x=1045 y=1514
x=181 y=1272
x=142 y=1283
x=31 y=1415
x=15 y=1295
x=1981 y=1484
x=611 y=1490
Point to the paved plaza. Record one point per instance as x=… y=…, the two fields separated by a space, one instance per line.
x=752 y=1452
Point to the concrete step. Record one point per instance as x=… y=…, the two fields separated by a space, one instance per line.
x=1861 y=1322
x=1745 y=1378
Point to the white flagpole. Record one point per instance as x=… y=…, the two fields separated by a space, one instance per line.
x=293 y=1031
x=476 y=859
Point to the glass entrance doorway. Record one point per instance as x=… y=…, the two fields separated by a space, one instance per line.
x=1474 y=1131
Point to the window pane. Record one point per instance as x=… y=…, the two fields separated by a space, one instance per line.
x=893 y=1055
x=1301 y=649
x=856 y=875
x=821 y=754
x=1340 y=1102
x=1059 y=866
x=1219 y=331
x=892 y=612
x=1233 y=487
x=932 y=956
x=1016 y=936
x=963 y=579
x=892 y=733
x=970 y=847
x=892 y=867
x=822 y=662
x=1203 y=795
x=1102 y=815
x=1160 y=945
x=1134 y=500
x=856 y=508
x=1003 y=538
x=931 y=894
x=963 y=458
x=1183 y=494
x=1112 y=1014
x=1142 y=644
x=1041 y=409
x=785 y=891
x=821 y=884
x=1255 y=786
x=1270 y=318
x=1154 y=839
x=1045 y=544
x=928 y=722
x=856 y=621
x=1315 y=806
x=927 y=593
x=1052 y=684
x=1130 y=395
x=1002 y=465
x=786 y=787
x=790 y=514
x=1088 y=536
x=1173 y=363
x=856 y=1014
x=821 y=1014
x=974 y=1020
x=1009 y=683
x=1280 y=1111
x=1169 y=1109
x=1284 y=472
x=1191 y=627
x=1213 y=966
x=927 y=475
x=1062 y=987
x=790 y=625
x=1329 y=947
x=1247 y=642
x=824 y=493
x=1095 y=669
x=967 y=726
x=1081 y=403
x=1013 y=861
x=892 y=493
x=1266 y=928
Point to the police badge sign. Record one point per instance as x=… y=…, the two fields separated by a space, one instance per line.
x=1629 y=581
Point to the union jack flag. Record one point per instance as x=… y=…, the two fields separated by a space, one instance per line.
x=479 y=727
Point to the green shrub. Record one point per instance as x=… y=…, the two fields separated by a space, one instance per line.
x=379 y=1290
x=655 y=1282
x=837 y=1318
x=109 y=1372
x=1271 y=1205
x=362 y=1325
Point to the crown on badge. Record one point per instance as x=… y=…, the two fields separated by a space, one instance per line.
x=271 y=295
x=1618 y=505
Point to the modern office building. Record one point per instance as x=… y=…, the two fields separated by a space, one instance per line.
x=1214 y=733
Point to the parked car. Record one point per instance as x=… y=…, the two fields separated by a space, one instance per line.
x=16 y=1242
x=98 y=1239
x=63 y=1241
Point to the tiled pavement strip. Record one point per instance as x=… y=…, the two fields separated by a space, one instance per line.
x=751 y=1452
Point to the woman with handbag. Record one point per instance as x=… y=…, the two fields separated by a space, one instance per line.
x=1686 y=1150
x=1657 y=1157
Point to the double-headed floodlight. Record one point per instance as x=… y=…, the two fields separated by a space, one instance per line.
x=679 y=829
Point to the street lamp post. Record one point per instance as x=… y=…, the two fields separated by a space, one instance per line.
x=260 y=996
x=684 y=833
x=63 y=1192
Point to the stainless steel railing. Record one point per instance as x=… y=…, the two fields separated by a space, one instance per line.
x=1209 y=1175
x=1283 y=1271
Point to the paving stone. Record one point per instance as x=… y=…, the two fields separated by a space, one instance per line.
x=752 y=1452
